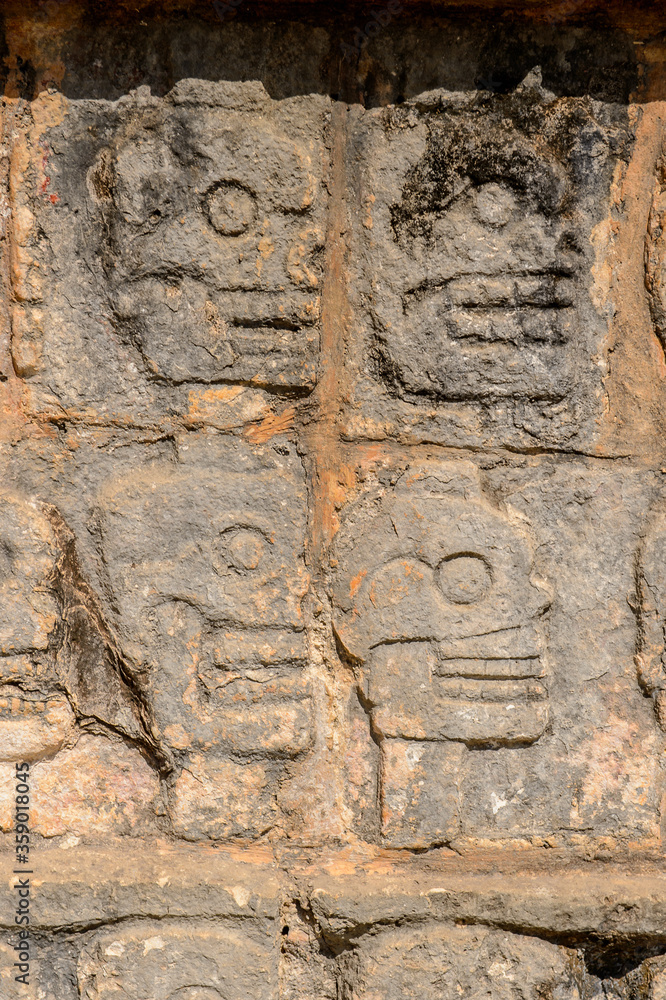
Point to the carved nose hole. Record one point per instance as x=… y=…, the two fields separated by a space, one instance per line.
x=231 y=209
x=464 y=578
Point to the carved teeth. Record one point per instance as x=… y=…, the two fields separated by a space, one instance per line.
x=12 y=707
x=491 y=689
x=502 y=669
x=542 y=290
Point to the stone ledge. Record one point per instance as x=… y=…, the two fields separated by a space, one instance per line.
x=87 y=886
x=564 y=896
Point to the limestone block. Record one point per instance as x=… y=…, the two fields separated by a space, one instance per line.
x=94 y=788
x=175 y=581
x=487 y=617
x=178 y=248
x=449 y=962
x=206 y=573
x=35 y=716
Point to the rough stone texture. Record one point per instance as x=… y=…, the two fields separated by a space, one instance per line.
x=200 y=659
x=185 y=961
x=477 y=224
x=474 y=661
x=163 y=246
x=332 y=507
x=447 y=962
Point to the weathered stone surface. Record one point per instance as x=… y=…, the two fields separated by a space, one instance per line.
x=361 y=918
x=183 y=962
x=450 y=962
x=164 y=245
x=36 y=718
x=492 y=678
x=443 y=606
x=480 y=318
x=201 y=658
x=332 y=599
x=94 y=787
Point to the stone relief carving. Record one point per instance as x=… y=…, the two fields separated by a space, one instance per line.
x=163 y=613
x=209 y=247
x=440 y=609
x=488 y=715
x=437 y=606
x=196 y=226
x=494 y=313
x=206 y=579
x=157 y=655
x=481 y=317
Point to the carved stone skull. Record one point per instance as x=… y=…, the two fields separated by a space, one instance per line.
x=436 y=602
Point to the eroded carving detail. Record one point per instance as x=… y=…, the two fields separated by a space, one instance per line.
x=437 y=605
x=440 y=609
x=63 y=698
x=445 y=963
x=651 y=610
x=195 y=223
x=655 y=253
x=482 y=320
x=204 y=219
x=182 y=961
x=35 y=714
x=207 y=578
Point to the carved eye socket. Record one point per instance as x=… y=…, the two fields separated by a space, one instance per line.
x=240 y=549
x=231 y=209
x=494 y=204
x=464 y=579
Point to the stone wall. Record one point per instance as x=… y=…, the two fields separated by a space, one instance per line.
x=333 y=500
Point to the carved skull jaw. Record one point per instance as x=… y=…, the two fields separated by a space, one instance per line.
x=190 y=332
x=495 y=330
x=418 y=692
x=220 y=690
x=492 y=253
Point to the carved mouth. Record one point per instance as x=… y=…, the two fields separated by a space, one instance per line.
x=549 y=290
x=499 y=308
x=188 y=332
x=499 y=701
x=491 y=680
